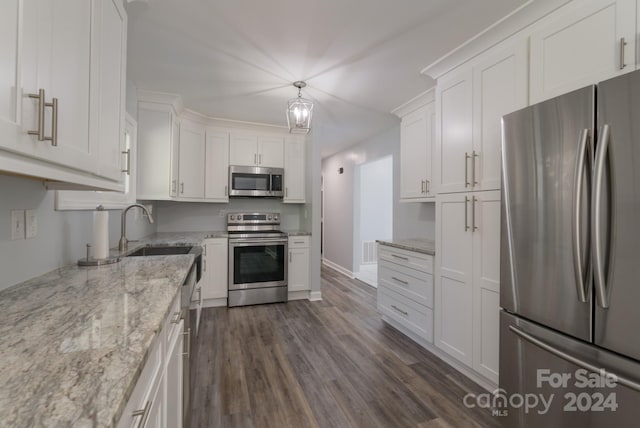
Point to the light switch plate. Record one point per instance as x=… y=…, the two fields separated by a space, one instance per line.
x=17 y=224
x=31 y=223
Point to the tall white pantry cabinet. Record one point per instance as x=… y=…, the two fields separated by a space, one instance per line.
x=470 y=102
x=580 y=43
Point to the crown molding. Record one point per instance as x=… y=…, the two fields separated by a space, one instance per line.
x=174 y=100
x=415 y=103
x=524 y=16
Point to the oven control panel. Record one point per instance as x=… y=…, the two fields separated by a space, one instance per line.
x=252 y=218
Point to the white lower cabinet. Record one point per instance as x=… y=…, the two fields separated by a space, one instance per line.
x=299 y=261
x=173 y=380
x=156 y=400
x=214 y=276
x=467 y=279
x=405 y=290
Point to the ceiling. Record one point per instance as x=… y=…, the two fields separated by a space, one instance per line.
x=236 y=59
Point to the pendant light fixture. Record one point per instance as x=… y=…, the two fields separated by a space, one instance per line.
x=299 y=112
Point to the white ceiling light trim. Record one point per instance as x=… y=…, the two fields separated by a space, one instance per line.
x=299 y=111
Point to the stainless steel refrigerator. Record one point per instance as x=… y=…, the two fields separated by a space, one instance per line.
x=570 y=260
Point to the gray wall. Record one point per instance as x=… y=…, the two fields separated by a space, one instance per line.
x=195 y=217
x=410 y=220
x=62 y=235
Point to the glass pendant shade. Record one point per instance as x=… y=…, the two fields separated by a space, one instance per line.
x=299 y=112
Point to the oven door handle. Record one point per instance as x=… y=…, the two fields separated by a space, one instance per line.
x=244 y=242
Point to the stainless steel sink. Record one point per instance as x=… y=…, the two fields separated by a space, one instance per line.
x=161 y=251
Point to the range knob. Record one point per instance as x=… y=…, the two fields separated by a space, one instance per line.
x=269 y=217
x=232 y=217
x=275 y=217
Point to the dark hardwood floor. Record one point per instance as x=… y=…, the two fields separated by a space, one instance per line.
x=332 y=363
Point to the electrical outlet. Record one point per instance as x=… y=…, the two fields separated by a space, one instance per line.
x=17 y=224
x=31 y=223
x=222 y=213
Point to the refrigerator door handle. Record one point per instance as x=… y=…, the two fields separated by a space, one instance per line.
x=574 y=360
x=598 y=251
x=578 y=267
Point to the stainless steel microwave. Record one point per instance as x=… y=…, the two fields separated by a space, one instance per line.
x=254 y=181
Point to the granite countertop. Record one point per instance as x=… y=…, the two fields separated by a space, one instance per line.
x=297 y=233
x=425 y=246
x=73 y=341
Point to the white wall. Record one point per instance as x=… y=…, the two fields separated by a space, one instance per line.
x=375 y=212
x=414 y=220
x=62 y=235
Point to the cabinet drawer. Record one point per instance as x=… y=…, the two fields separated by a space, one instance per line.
x=413 y=316
x=411 y=283
x=299 y=241
x=145 y=386
x=411 y=259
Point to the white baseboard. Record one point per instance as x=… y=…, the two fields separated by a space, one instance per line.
x=298 y=295
x=337 y=267
x=214 y=303
x=315 y=296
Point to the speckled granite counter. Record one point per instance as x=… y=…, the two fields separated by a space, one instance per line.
x=73 y=341
x=297 y=232
x=425 y=246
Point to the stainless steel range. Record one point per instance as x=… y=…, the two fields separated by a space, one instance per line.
x=257 y=259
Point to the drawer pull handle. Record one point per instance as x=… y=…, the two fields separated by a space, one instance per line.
x=400 y=310
x=187 y=343
x=399 y=280
x=144 y=413
x=406 y=259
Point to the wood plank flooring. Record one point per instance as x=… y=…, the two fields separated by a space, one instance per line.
x=332 y=363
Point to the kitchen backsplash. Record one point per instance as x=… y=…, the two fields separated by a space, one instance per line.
x=194 y=216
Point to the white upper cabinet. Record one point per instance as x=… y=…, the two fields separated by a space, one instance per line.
x=584 y=43
x=499 y=87
x=243 y=150
x=253 y=150
x=55 y=53
x=454 y=129
x=158 y=135
x=216 y=187
x=294 y=170
x=109 y=73
x=191 y=160
x=416 y=141
x=62 y=90
x=271 y=152
x=471 y=101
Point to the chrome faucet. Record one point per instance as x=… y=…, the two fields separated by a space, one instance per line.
x=124 y=242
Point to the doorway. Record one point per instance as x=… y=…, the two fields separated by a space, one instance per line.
x=373 y=215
